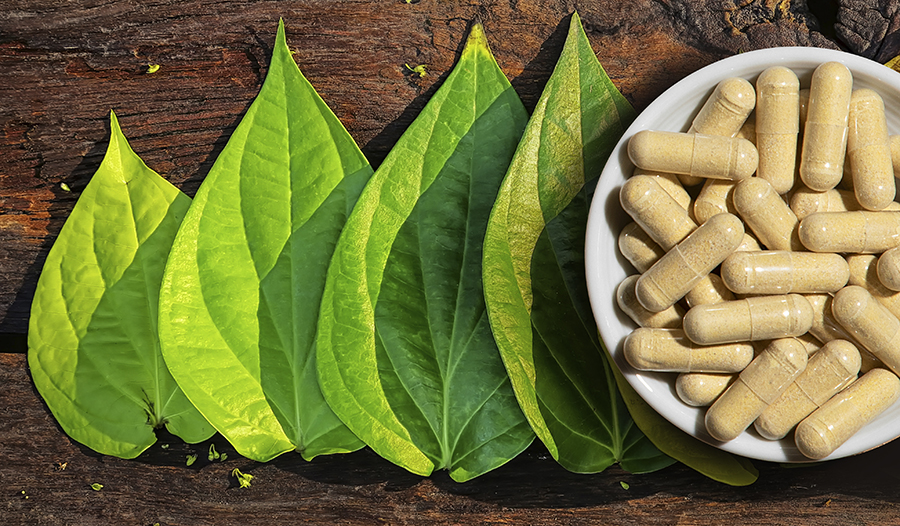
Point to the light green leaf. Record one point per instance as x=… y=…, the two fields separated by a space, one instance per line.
x=240 y=297
x=406 y=356
x=93 y=348
x=708 y=460
x=534 y=271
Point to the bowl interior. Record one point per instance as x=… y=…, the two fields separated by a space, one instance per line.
x=606 y=267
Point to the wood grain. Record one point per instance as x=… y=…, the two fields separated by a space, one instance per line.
x=363 y=489
x=64 y=65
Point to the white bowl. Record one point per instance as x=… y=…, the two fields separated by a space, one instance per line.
x=606 y=267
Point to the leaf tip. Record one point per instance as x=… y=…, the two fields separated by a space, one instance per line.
x=477 y=39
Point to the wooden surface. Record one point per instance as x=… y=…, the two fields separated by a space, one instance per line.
x=64 y=65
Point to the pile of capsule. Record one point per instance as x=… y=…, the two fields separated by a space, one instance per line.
x=772 y=290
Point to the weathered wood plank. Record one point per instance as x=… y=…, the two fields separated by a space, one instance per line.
x=363 y=489
x=66 y=64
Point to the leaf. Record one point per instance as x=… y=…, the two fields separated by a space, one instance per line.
x=406 y=356
x=93 y=348
x=534 y=271
x=708 y=460
x=240 y=297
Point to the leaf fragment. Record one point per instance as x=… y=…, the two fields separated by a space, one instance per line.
x=405 y=354
x=96 y=486
x=242 y=478
x=534 y=270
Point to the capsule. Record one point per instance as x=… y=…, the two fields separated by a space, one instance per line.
x=777 y=126
x=637 y=247
x=749 y=319
x=826 y=373
x=805 y=202
x=825 y=132
x=767 y=215
x=723 y=114
x=726 y=110
x=748 y=244
x=655 y=211
x=627 y=301
x=864 y=273
x=822 y=432
x=714 y=198
x=676 y=273
x=669 y=350
x=758 y=386
x=748 y=130
x=854 y=232
x=706 y=156
x=782 y=272
x=710 y=289
x=702 y=389
x=869 y=151
x=671 y=185
x=870 y=323
x=888 y=268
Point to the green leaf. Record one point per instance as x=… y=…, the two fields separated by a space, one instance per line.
x=534 y=271
x=708 y=460
x=240 y=297
x=93 y=348
x=406 y=356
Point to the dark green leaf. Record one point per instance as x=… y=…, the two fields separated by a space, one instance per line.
x=406 y=356
x=534 y=271
x=93 y=348
x=240 y=299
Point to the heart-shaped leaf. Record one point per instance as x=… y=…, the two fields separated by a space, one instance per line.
x=534 y=271
x=406 y=356
x=93 y=347
x=240 y=298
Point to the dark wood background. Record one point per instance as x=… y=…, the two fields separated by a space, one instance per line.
x=65 y=64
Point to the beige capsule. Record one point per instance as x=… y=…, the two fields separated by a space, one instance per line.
x=710 y=289
x=870 y=323
x=855 y=232
x=714 y=198
x=869 y=151
x=677 y=272
x=748 y=244
x=768 y=216
x=777 y=126
x=638 y=248
x=655 y=211
x=783 y=271
x=702 y=389
x=758 y=386
x=627 y=301
x=825 y=329
x=749 y=319
x=888 y=269
x=805 y=201
x=726 y=110
x=723 y=113
x=669 y=350
x=671 y=185
x=748 y=130
x=827 y=372
x=825 y=131
x=822 y=432
x=864 y=273
x=706 y=156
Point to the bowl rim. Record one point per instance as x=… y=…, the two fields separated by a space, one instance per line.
x=689 y=419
